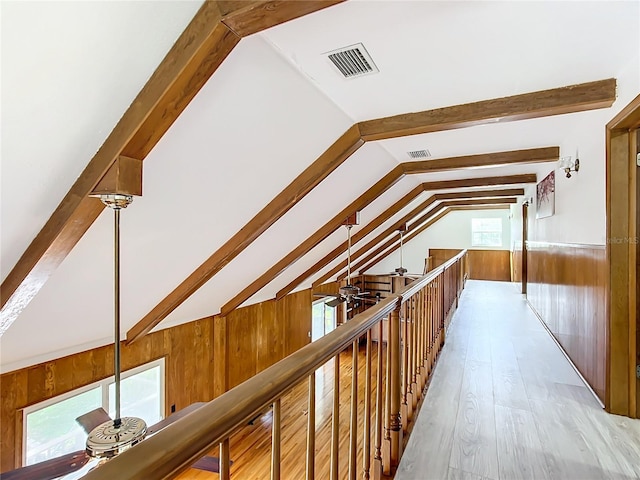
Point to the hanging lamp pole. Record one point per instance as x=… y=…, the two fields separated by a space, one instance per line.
x=116 y=203
x=113 y=437
x=401 y=271
x=349 y=254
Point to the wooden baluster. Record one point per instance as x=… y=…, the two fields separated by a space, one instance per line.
x=275 y=441
x=404 y=366
x=311 y=428
x=443 y=315
x=424 y=349
x=335 y=420
x=353 y=425
x=386 y=450
x=395 y=420
x=377 y=455
x=433 y=323
x=224 y=462
x=366 y=444
x=415 y=394
x=421 y=340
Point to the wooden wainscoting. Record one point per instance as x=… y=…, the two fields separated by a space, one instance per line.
x=483 y=264
x=204 y=358
x=189 y=359
x=516 y=265
x=567 y=289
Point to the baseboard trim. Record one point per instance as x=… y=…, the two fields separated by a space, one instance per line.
x=564 y=352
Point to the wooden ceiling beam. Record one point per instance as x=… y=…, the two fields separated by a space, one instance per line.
x=188 y=65
x=371 y=259
x=544 y=103
x=248 y=17
x=481 y=182
x=381 y=186
x=355 y=238
x=395 y=208
x=411 y=217
x=497 y=159
x=449 y=207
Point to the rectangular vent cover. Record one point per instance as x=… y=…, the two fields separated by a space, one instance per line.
x=419 y=154
x=353 y=61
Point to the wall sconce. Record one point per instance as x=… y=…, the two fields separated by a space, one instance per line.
x=568 y=165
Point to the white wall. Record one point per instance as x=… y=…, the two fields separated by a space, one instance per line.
x=580 y=201
x=452 y=231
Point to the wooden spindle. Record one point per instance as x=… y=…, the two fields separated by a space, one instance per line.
x=377 y=455
x=224 y=462
x=395 y=421
x=366 y=444
x=353 y=424
x=311 y=428
x=386 y=450
x=335 y=420
x=275 y=441
x=414 y=349
x=422 y=340
x=404 y=366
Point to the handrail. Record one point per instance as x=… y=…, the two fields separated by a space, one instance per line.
x=182 y=443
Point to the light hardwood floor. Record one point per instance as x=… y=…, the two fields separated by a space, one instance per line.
x=505 y=404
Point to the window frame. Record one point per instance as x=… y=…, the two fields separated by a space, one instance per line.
x=484 y=245
x=104 y=385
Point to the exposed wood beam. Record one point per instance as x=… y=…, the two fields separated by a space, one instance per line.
x=331 y=159
x=532 y=155
x=574 y=98
x=246 y=18
x=371 y=259
x=374 y=192
x=195 y=56
x=381 y=186
x=481 y=182
x=448 y=208
x=411 y=216
x=399 y=205
x=355 y=238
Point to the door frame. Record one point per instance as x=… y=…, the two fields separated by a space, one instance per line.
x=622 y=386
x=525 y=235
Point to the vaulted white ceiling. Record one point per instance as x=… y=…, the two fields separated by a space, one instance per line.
x=269 y=111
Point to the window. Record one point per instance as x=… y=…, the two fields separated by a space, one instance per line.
x=50 y=428
x=486 y=232
x=324 y=320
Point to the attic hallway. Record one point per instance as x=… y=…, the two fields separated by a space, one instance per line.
x=505 y=404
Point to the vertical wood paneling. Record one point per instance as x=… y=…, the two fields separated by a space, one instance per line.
x=188 y=371
x=482 y=264
x=294 y=312
x=204 y=359
x=566 y=287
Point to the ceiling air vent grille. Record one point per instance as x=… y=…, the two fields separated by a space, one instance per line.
x=419 y=154
x=353 y=61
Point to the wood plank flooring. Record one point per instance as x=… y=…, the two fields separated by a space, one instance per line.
x=250 y=448
x=505 y=404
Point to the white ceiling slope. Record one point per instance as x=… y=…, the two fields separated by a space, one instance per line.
x=269 y=111
x=69 y=72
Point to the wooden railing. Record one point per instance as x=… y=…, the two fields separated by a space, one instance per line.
x=415 y=333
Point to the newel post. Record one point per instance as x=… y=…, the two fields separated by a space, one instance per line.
x=395 y=419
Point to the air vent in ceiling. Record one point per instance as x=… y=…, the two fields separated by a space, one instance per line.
x=419 y=154
x=352 y=61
